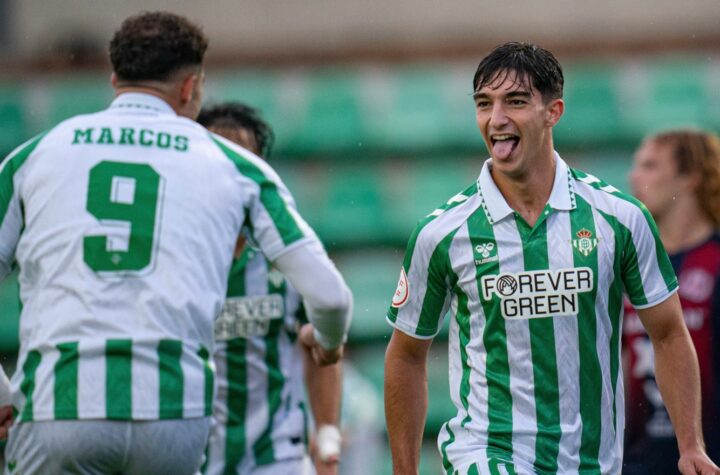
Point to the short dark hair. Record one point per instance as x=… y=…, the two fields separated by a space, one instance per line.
x=529 y=62
x=241 y=116
x=154 y=45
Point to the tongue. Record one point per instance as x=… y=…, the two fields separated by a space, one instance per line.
x=503 y=148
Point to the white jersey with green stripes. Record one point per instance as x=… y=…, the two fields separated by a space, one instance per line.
x=260 y=411
x=536 y=315
x=123 y=224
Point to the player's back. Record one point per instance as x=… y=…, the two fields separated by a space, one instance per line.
x=129 y=219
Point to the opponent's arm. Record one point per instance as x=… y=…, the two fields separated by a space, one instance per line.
x=406 y=399
x=678 y=378
x=324 y=388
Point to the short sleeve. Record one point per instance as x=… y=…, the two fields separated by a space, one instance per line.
x=647 y=273
x=422 y=297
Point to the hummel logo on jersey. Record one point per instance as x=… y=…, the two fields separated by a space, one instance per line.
x=534 y=294
x=584 y=242
x=485 y=250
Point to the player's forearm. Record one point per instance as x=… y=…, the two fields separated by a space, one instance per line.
x=324 y=387
x=678 y=377
x=328 y=300
x=406 y=401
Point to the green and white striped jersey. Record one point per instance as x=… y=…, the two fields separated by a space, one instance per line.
x=536 y=311
x=123 y=224
x=260 y=405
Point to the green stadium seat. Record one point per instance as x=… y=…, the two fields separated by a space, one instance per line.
x=13 y=123
x=592 y=109
x=331 y=120
x=670 y=97
x=353 y=208
x=79 y=95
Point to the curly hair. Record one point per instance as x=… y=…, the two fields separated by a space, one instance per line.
x=529 y=62
x=154 y=45
x=234 y=115
x=697 y=151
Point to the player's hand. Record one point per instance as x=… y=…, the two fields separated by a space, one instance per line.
x=697 y=462
x=320 y=355
x=6 y=420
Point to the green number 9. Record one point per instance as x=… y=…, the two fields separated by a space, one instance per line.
x=122 y=195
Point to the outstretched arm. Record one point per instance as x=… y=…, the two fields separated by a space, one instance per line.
x=678 y=377
x=327 y=299
x=406 y=399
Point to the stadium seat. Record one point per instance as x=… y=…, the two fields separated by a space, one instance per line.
x=13 y=130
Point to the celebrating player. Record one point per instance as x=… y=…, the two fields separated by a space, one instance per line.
x=260 y=406
x=533 y=259
x=677 y=175
x=124 y=224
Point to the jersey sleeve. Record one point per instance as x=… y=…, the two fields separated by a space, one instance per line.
x=11 y=216
x=271 y=214
x=422 y=297
x=646 y=270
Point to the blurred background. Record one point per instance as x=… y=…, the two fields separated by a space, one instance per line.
x=371 y=104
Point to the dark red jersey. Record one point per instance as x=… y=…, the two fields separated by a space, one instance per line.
x=698 y=271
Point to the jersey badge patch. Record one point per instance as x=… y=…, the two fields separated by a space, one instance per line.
x=585 y=243
x=402 y=292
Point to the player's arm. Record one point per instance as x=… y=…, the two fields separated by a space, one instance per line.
x=678 y=378
x=406 y=399
x=327 y=299
x=324 y=388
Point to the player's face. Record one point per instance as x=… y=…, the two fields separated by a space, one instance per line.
x=516 y=123
x=654 y=178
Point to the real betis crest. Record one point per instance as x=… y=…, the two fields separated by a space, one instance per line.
x=584 y=243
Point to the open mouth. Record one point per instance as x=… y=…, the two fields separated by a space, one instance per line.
x=503 y=145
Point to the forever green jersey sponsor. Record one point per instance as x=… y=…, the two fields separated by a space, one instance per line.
x=260 y=408
x=123 y=224
x=535 y=324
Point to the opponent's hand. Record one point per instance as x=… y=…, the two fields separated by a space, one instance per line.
x=697 y=462
x=320 y=355
x=6 y=419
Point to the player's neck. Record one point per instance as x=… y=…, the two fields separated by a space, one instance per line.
x=528 y=193
x=684 y=227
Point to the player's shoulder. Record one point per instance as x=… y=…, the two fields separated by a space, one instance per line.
x=604 y=196
x=244 y=160
x=448 y=216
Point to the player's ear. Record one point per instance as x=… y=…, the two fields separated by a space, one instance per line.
x=114 y=80
x=554 y=110
x=188 y=87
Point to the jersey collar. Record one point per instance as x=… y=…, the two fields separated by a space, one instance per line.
x=141 y=102
x=562 y=196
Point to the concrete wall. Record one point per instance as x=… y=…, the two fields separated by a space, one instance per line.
x=280 y=27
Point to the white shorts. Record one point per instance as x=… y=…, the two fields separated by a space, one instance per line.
x=99 y=447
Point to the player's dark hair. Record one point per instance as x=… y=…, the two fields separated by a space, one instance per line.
x=529 y=62
x=154 y=45
x=234 y=115
x=697 y=151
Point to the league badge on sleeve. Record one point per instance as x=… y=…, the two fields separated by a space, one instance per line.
x=402 y=292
